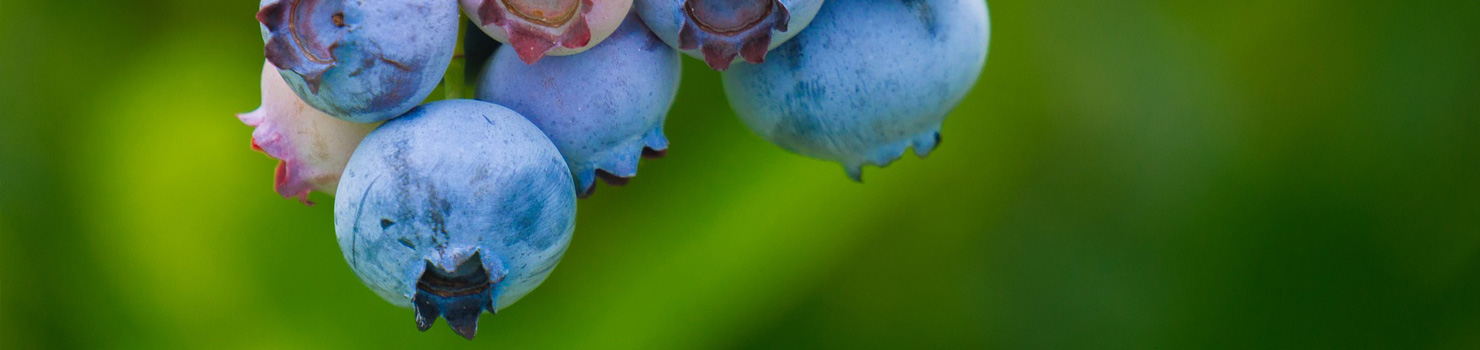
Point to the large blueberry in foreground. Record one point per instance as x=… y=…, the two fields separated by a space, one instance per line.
x=312 y=147
x=868 y=79
x=603 y=108
x=361 y=61
x=536 y=28
x=718 y=31
x=457 y=207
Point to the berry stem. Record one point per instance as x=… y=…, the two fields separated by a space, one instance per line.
x=454 y=82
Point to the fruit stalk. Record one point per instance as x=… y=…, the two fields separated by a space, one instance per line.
x=454 y=82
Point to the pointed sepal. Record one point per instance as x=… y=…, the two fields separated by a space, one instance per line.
x=855 y=172
x=426 y=311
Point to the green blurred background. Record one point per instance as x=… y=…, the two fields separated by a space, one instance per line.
x=1127 y=174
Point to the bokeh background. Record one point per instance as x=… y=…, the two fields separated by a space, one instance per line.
x=1127 y=174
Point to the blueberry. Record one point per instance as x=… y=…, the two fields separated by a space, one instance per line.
x=457 y=207
x=866 y=80
x=719 y=30
x=312 y=146
x=361 y=61
x=536 y=28
x=602 y=108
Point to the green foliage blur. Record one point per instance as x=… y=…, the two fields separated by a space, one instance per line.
x=1127 y=174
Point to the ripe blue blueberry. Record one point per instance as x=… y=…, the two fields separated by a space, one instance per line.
x=361 y=61
x=868 y=79
x=719 y=30
x=603 y=108
x=536 y=28
x=457 y=207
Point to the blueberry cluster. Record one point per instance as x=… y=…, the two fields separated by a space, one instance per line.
x=461 y=206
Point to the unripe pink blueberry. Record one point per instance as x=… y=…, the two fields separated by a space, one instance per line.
x=312 y=147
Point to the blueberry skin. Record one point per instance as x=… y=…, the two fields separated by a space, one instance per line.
x=668 y=18
x=361 y=61
x=603 y=108
x=866 y=80
x=449 y=180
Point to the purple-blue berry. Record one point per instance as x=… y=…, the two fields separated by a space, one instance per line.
x=457 y=207
x=722 y=32
x=866 y=80
x=603 y=108
x=361 y=61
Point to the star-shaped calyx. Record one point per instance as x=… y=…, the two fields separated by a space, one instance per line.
x=722 y=29
x=303 y=35
x=537 y=26
x=458 y=296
